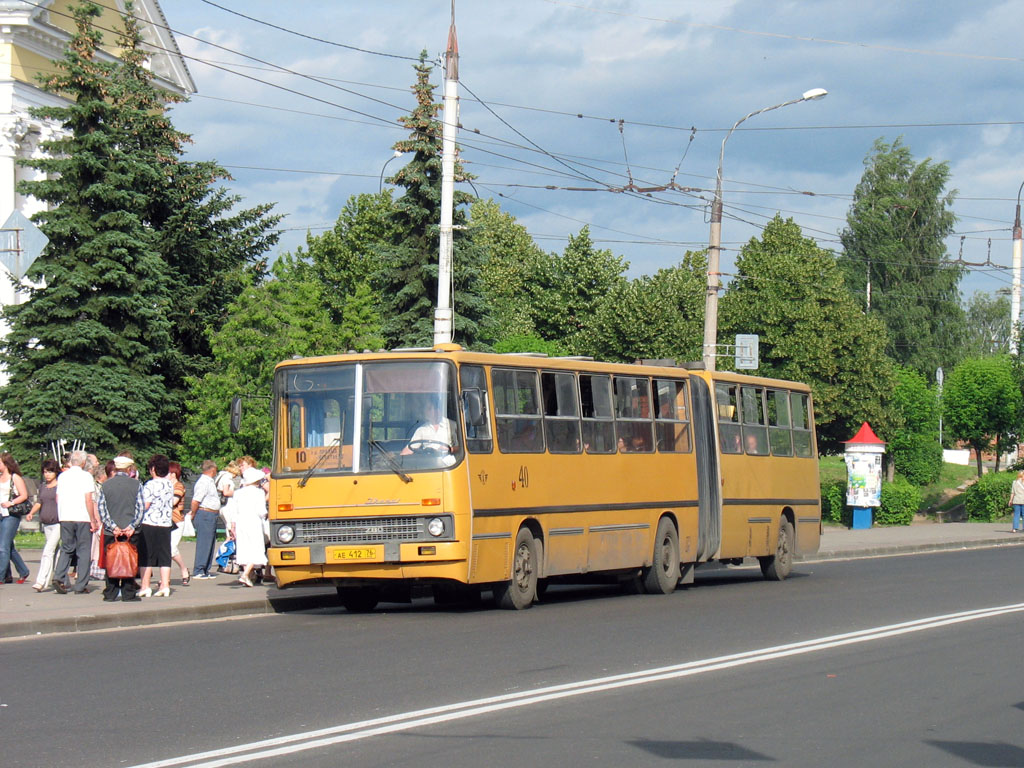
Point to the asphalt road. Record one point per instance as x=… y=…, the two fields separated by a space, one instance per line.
x=733 y=671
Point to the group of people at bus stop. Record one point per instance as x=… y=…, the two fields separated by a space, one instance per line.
x=86 y=507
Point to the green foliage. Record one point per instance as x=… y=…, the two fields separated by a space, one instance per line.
x=897 y=227
x=791 y=293
x=981 y=400
x=350 y=254
x=988 y=499
x=833 y=502
x=530 y=343
x=913 y=442
x=988 y=325
x=283 y=316
x=85 y=352
x=572 y=286
x=900 y=501
x=509 y=276
x=143 y=258
x=657 y=317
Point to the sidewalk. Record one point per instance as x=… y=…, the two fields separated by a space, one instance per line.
x=24 y=612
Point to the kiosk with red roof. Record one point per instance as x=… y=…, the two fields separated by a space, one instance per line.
x=864 y=474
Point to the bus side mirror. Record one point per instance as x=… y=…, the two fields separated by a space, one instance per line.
x=236 y=414
x=474 y=407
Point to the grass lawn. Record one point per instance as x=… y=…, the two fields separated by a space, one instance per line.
x=33 y=540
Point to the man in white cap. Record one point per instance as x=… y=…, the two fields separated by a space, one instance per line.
x=121 y=509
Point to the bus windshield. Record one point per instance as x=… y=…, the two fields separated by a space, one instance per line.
x=354 y=418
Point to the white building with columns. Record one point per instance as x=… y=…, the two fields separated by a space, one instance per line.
x=32 y=36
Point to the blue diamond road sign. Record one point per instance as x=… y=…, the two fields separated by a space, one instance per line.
x=21 y=242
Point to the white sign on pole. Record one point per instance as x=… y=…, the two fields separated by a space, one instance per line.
x=746 y=351
x=21 y=242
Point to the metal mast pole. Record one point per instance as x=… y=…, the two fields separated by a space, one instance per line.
x=1015 y=291
x=443 y=313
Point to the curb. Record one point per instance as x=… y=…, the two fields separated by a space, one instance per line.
x=906 y=549
x=93 y=622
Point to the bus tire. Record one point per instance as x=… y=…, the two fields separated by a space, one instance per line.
x=663 y=575
x=520 y=591
x=778 y=566
x=359 y=599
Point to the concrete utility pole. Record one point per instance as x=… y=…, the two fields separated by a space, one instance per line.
x=715 y=240
x=1015 y=291
x=443 y=313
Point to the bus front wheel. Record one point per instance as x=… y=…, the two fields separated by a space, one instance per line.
x=359 y=599
x=520 y=591
x=778 y=566
x=663 y=575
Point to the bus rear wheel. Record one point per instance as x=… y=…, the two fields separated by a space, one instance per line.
x=520 y=591
x=663 y=575
x=359 y=599
x=778 y=566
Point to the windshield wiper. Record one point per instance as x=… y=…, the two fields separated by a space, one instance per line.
x=390 y=458
x=311 y=470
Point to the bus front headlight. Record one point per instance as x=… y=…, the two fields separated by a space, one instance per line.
x=435 y=527
x=285 y=534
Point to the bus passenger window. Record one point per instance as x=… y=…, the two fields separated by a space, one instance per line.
x=561 y=417
x=779 y=434
x=671 y=420
x=726 y=399
x=633 y=414
x=755 y=431
x=474 y=389
x=596 y=406
x=803 y=445
x=517 y=411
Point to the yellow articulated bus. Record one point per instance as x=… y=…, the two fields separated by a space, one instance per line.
x=444 y=470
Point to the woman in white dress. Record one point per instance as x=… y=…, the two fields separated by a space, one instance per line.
x=250 y=511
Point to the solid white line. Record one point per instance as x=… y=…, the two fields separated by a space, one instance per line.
x=299 y=742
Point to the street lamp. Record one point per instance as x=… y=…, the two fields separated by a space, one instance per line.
x=380 y=187
x=1015 y=292
x=715 y=244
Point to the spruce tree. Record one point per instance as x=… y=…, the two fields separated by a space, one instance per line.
x=408 y=280
x=83 y=352
x=211 y=251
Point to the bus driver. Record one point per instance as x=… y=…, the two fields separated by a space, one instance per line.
x=434 y=435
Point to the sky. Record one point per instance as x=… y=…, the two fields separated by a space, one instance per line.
x=562 y=103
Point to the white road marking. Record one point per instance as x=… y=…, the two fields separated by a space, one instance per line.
x=325 y=737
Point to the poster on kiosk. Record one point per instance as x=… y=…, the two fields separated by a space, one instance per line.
x=864 y=474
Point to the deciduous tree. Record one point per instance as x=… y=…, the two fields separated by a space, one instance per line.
x=981 y=401
x=895 y=240
x=791 y=293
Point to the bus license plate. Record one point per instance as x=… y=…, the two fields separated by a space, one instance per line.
x=355 y=553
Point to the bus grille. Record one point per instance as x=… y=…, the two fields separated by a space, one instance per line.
x=359 y=529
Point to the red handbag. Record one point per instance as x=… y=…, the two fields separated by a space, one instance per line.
x=122 y=559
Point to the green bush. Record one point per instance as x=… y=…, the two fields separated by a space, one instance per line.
x=988 y=498
x=918 y=458
x=900 y=500
x=833 y=498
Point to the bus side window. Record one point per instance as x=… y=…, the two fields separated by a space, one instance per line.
x=517 y=411
x=802 y=442
x=477 y=418
x=755 y=431
x=728 y=417
x=561 y=416
x=671 y=420
x=633 y=414
x=779 y=434
x=596 y=405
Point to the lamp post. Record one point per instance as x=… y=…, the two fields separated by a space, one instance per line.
x=1015 y=291
x=715 y=242
x=398 y=153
